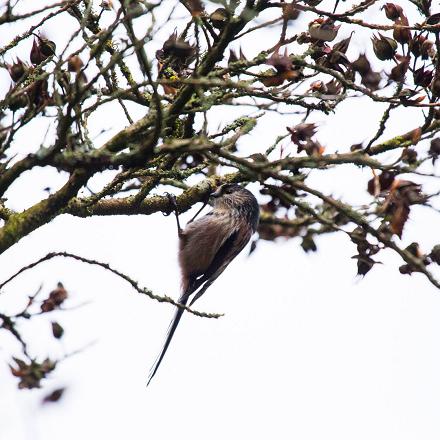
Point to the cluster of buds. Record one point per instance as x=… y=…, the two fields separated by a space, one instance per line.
x=36 y=92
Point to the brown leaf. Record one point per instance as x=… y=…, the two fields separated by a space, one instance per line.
x=399 y=218
x=413 y=136
x=196 y=7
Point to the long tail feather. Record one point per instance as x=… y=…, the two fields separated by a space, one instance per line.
x=172 y=328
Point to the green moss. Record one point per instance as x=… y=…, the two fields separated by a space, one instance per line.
x=170 y=74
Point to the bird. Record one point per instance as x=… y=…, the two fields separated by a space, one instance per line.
x=207 y=246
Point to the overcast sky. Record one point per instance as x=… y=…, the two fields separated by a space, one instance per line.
x=306 y=349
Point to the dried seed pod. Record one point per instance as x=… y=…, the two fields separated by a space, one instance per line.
x=301 y=132
x=427 y=50
x=290 y=12
x=232 y=57
x=398 y=72
x=435 y=86
x=406 y=269
x=434 y=149
x=17 y=102
x=323 y=29
x=384 y=47
x=415 y=45
x=372 y=80
x=400 y=34
x=17 y=70
x=36 y=56
x=409 y=156
x=433 y=19
x=334 y=87
x=422 y=77
x=38 y=93
x=361 y=65
x=54 y=396
x=435 y=254
x=57 y=330
x=392 y=11
x=381 y=183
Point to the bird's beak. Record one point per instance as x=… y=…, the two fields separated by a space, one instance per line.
x=216 y=193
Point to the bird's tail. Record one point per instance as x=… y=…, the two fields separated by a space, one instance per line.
x=172 y=328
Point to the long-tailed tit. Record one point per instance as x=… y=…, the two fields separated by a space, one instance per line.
x=207 y=245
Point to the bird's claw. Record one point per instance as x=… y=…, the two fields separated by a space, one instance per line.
x=173 y=202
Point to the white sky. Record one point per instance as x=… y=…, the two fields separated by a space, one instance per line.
x=305 y=349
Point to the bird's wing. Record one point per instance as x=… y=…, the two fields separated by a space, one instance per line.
x=200 y=242
x=230 y=248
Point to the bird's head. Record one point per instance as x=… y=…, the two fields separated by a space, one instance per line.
x=231 y=196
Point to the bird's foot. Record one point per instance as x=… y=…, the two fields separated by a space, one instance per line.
x=173 y=202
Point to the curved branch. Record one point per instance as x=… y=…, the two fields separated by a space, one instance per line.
x=134 y=284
